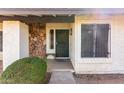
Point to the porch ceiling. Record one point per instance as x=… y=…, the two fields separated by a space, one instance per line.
x=56 y=15
x=39 y=19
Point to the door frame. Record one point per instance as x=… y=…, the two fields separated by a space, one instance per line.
x=55 y=26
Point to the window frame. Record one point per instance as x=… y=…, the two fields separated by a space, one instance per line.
x=94 y=43
x=51 y=39
x=90 y=20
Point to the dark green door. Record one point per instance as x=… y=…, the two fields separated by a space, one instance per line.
x=62 y=43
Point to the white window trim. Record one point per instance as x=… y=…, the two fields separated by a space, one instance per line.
x=78 y=45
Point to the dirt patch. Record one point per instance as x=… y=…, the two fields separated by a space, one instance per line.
x=99 y=78
x=48 y=76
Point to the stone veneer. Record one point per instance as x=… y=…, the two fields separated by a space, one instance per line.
x=37 y=40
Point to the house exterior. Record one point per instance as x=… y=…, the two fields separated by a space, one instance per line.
x=93 y=39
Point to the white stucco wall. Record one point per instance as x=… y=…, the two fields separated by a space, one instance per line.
x=24 y=40
x=14 y=41
x=114 y=64
x=72 y=47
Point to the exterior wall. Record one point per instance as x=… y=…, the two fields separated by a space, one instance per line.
x=13 y=44
x=72 y=46
x=114 y=64
x=37 y=40
x=24 y=40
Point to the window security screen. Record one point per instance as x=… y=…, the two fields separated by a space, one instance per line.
x=94 y=40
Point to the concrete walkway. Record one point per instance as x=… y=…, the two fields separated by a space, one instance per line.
x=62 y=77
x=59 y=64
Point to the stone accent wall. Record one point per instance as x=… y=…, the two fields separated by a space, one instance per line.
x=37 y=40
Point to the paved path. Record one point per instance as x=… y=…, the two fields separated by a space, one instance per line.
x=58 y=64
x=62 y=77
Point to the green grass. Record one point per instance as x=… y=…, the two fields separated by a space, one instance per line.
x=26 y=70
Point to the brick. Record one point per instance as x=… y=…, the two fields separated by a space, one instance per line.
x=37 y=39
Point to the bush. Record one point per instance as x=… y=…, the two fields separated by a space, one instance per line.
x=26 y=70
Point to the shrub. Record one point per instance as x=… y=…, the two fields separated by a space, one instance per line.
x=25 y=70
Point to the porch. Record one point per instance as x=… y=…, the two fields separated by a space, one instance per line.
x=38 y=39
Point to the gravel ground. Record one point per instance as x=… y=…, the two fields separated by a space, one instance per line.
x=99 y=79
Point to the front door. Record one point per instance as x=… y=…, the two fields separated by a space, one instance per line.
x=62 y=43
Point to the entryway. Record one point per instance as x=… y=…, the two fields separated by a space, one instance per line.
x=58 y=40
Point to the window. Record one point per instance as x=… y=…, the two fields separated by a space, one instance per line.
x=51 y=39
x=94 y=40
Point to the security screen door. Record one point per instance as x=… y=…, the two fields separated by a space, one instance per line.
x=62 y=43
x=94 y=40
